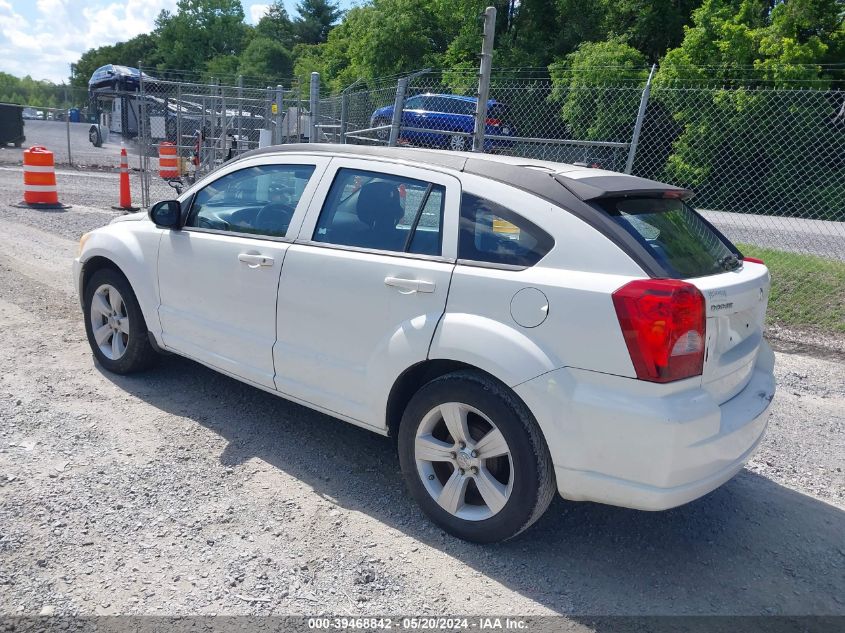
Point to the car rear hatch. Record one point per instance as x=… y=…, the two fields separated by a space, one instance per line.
x=498 y=122
x=686 y=247
x=735 y=304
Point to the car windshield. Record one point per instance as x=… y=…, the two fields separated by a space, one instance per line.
x=679 y=238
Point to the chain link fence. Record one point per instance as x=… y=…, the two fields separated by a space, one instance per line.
x=767 y=164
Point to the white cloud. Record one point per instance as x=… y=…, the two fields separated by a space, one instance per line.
x=257 y=11
x=46 y=46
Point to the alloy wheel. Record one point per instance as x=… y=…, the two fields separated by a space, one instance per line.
x=464 y=461
x=109 y=322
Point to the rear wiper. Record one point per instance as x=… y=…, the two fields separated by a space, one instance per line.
x=730 y=262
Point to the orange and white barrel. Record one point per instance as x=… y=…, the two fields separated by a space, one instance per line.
x=168 y=161
x=39 y=176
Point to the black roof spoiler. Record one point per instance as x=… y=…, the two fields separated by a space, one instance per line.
x=611 y=185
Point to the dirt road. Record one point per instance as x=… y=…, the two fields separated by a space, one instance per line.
x=180 y=491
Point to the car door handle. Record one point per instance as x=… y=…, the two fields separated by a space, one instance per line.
x=409 y=286
x=254 y=261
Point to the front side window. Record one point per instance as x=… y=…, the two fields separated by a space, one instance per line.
x=257 y=200
x=383 y=212
x=494 y=234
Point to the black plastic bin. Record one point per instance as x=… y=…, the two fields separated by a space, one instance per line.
x=11 y=124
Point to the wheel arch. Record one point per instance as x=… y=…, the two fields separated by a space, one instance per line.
x=415 y=377
x=92 y=265
x=134 y=260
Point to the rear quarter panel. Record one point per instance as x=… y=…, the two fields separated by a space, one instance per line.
x=577 y=278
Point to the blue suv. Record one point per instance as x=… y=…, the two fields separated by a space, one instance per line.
x=443 y=114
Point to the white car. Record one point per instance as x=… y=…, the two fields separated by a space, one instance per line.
x=519 y=326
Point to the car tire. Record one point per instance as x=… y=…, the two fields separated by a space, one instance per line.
x=382 y=135
x=108 y=302
x=446 y=477
x=457 y=143
x=94 y=136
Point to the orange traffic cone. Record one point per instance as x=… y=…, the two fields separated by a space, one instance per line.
x=39 y=180
x=125 y=195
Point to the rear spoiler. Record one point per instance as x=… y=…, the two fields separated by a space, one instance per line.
x=590 y=184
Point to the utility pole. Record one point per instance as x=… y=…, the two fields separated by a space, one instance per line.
x=638 y=125
x=67 y=123
x=314 y=105
x=398 y=106
x=484 y=79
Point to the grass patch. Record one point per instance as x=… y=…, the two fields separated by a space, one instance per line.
x=806 y=290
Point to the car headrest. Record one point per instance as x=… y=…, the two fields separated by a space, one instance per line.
x=378 y=202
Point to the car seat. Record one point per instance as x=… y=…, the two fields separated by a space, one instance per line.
x=380 y=209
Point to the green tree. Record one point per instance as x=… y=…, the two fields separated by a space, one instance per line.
x=530 y=33
x=598 y=88
x=738 y=51
x=223 y=68
x=315 y=20
x=200 y=31
x=267 y=61
x=276 y=25
x=29 y=91
x=651 y=26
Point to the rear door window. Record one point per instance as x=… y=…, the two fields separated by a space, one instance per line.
x=383 y=212
x=494 y=234
x=679 y=238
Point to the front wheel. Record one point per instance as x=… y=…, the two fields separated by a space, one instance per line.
x=115 y=325
x=474 y=458
x=457 y=143
x=94 y=136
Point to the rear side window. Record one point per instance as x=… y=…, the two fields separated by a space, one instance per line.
x=684 y=244
x=414 y=103
x=494 y=234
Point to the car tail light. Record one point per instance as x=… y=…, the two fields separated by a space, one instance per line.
x=753 y=260
x=663 y=323
x=490 y=121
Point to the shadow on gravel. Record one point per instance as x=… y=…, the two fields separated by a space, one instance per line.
x=751 y=547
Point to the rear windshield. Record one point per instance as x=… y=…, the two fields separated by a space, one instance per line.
x=680 y=239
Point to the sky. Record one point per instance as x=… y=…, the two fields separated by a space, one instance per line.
x=41 y=38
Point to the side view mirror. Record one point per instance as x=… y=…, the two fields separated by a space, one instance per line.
x=166 y=214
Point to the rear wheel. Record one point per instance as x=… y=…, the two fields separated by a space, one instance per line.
x=457 y=143
x=383 y=134
x=474 y=458
x=115 y=325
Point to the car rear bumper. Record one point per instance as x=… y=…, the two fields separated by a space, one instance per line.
x=640 y=445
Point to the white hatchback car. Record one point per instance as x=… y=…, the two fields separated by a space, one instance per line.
x=519 y=326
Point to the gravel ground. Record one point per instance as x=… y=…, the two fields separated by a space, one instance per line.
x=181 y=492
